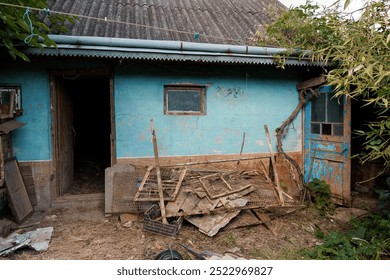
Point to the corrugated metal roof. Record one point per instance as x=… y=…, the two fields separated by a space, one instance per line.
x=120 y=48
x=216 y=21
x=166 y=30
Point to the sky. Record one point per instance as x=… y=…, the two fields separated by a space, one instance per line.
x=353 y=6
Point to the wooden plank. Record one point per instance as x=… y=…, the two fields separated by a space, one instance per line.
x=181 y=178
x=211 y=224
x=245 y=219
x=1 y=162
x=215 y=161
x=312 y=82
x=265 y=219
x=224 y=184
x=279 y=189
x=28 y=179
x=242 y=147
x=159 y=183
x=148 y=189
x=18 y=197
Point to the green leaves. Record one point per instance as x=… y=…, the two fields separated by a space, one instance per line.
x=15 y=26
x=367 y=239
x=359 y=50
x=321 y=193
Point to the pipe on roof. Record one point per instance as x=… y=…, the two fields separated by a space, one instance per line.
x=167 y=45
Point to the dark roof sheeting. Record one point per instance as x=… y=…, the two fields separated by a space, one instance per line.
x=216 y=21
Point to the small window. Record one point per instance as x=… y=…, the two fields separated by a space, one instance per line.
x=10 y=101
x=327 y=115
x=184 y=100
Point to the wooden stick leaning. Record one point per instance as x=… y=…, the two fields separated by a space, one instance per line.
x=279 y=189
x=158 y=171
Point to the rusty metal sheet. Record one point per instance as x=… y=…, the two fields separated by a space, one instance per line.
x=37 y=240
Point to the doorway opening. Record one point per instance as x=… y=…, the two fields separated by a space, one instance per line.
x=83 y=128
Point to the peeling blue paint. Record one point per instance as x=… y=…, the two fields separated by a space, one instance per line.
x=32 y=141
x=236 y=102
x=238 y=99
x=326 y=156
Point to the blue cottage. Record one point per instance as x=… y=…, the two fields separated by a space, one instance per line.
x=190 y=67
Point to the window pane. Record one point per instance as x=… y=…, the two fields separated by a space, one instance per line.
x=318 y=108
x=338 y=129
x=315 y=128
x=326 y=129
x=335 y=109
x=184 y=100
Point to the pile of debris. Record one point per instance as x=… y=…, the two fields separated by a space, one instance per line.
x=209 y=199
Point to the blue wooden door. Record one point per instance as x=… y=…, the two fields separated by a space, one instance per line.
x=327 y=143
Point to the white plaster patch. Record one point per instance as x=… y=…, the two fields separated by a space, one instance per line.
x=260 y=143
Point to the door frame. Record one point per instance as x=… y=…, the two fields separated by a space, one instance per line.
x=345 y=155
x=55 y=75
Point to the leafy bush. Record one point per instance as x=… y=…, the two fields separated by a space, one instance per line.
x=367 y=239
x=321 y=193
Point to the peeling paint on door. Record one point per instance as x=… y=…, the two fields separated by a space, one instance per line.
x=327 y=144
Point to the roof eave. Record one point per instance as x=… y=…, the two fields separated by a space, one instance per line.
x=120 y=48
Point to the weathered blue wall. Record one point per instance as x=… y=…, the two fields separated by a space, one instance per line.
x=32 y=141
x=238 y=100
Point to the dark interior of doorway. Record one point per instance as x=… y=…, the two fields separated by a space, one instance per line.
x=365 y=177
x=91 y=124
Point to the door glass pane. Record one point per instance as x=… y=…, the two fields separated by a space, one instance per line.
x=318 y=107
x=335 y=109
x=315 y=128
x=326 y=129
x=338 y=129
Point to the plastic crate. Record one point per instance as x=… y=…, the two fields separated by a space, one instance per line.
x=151 y=225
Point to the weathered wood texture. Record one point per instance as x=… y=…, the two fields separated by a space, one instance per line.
x=17 y=194
x=317 y=81
x=28 y=179
x=64 y=139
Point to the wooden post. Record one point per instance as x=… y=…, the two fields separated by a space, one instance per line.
x=274 y=165
x=242 y=147
x=158 y=171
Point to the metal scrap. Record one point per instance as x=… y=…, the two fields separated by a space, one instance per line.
x=37 y=240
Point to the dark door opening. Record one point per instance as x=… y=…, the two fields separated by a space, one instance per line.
x=88 y=118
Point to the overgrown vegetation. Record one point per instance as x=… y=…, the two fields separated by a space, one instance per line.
x=321 y=193
x=358 y=49
x=367 y=239
x=364 y=239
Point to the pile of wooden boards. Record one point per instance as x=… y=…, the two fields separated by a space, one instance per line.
x=209 y=199
x=212 y=199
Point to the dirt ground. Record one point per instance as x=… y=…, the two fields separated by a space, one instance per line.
x=82 y=233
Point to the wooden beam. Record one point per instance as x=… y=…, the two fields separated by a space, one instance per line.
x=279 y=189
x=312 y=82
x=159 y=182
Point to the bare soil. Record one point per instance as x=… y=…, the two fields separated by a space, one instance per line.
x=86 y=233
